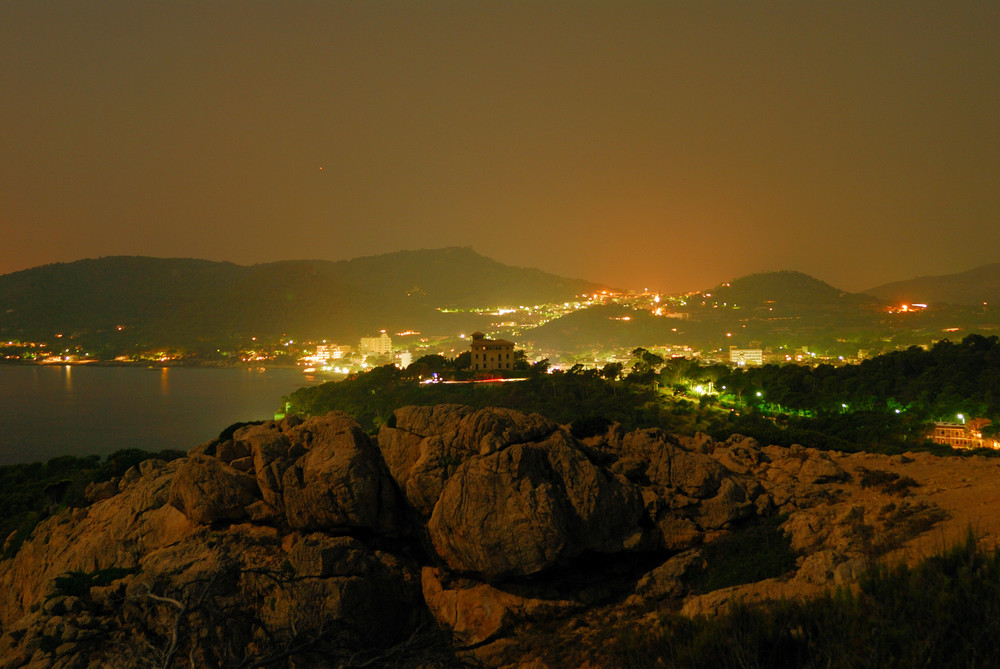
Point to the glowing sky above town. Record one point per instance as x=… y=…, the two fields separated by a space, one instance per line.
x=662 y=144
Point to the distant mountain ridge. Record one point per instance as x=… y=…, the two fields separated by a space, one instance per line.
x=786 y=288
x=770 y=306
x=174 y=300
x=198 y=304
x=971 y=288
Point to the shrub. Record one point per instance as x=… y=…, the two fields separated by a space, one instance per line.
x=944 y=612
x=754 y=553
x=590 y=426
x=79 y=583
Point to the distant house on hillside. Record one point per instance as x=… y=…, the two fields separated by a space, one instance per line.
x=963 y=435
x=491 y=354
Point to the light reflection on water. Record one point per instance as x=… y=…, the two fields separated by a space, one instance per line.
x=82 y=410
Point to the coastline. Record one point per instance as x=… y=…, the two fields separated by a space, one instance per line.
x=152 y=364
x=79 y=409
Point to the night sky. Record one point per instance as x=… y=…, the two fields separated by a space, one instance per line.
x=667 y=144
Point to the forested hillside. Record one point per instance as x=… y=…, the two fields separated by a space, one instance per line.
x=136 y=301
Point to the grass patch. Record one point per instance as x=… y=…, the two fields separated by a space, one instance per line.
x=887 y=482
x=944 y=612
x=753 y=553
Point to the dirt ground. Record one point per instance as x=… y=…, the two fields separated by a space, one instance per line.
x=968 y=489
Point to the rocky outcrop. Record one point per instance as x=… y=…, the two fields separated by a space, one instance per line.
x=207 y=490
x=523 y=509
x=309 y=541
x=427 y=444
x=506 y=494
x=339 y=484
x=477 y=612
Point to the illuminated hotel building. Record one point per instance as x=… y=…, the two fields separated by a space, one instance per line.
x=741 y=357
x=963 y=435
x=491 y=354
x=380 y=345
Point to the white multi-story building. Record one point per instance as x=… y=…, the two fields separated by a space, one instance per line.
x=741 y=357
x=325 y=353
x=380 y=345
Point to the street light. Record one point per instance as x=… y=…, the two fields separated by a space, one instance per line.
x=961 y=417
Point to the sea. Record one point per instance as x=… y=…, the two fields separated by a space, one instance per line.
x=48 y=411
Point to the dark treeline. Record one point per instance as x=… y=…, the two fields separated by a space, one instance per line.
x=583 y=398
x=29 y=493
x=882 y=405
x=936 y=384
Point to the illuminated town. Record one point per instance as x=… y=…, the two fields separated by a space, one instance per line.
x=515 y=323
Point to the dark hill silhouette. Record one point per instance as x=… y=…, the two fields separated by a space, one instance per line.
x=970 y=288
x=775 y=307
x=175 y=301
x=787 y=290
x=602 y=328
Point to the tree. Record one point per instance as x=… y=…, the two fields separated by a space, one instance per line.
x=434 y=363
x=463 y=360
x=612 y=370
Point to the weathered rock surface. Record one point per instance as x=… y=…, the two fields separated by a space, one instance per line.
x=309 y=542
x=207 y=490
x=340 y=483
x=427 y=444
x=523 y=509
x=476 y=612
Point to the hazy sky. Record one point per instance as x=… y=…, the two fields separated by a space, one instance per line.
x=665 y=144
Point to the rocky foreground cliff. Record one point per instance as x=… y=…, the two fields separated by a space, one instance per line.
x=455 y=537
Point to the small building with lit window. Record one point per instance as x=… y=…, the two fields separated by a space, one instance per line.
x=491 y=354
x=963 y=435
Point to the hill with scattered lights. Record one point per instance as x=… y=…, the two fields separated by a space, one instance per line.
x=141 y=301
x=976 y=287
x=780 y=311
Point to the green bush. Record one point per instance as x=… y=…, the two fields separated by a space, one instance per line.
x=29 y=493
x=564 y=398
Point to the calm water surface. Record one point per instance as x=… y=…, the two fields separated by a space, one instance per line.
x=47 y=411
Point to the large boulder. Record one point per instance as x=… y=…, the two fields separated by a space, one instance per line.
x=421 y=465
x=525 y=508
x=427 y=444
x=207 y=490
x=477 y=612
x=268 y=446
x=732 y=502
x=669 y=465
x=428 y=420
x=489 y=430
x=340 y=483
